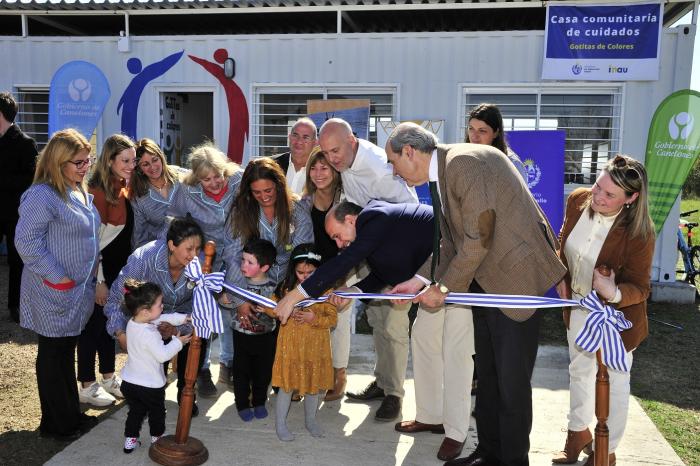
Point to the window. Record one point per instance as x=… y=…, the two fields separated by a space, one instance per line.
x=33 y=114
x=276 y=108
x=589 y=115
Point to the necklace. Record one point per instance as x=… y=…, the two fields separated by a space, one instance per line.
x=160 y=188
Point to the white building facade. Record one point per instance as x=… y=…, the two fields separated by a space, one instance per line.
x=414 y=75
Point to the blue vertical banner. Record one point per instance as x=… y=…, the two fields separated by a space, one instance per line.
x=603 y=42
x=77 y=97
x=542 y=153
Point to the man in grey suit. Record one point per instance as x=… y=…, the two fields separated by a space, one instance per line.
x=494 y=239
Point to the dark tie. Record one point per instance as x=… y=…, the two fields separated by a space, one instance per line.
x=437 y=210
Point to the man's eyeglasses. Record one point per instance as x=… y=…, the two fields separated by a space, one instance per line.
x=82 y=163
x=630 y=172
x=305 y=137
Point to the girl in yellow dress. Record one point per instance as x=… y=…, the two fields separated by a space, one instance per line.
x=303 y=358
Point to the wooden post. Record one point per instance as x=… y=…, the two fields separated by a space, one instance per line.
x=602 y=402
x=181 y=449
x=602 y=410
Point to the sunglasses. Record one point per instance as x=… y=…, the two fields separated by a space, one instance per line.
x=82 y=163
x=630 y=172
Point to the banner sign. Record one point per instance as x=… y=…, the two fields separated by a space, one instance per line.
x=610 y=43
x=78 y=94
x=542 y=153
x=354 y=111
x=673 y=144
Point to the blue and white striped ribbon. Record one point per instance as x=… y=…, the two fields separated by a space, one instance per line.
x=601 y=330
x=206 y=316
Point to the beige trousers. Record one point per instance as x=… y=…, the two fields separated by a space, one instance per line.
x=582 y=372
x=390 y=331
x=443 y=344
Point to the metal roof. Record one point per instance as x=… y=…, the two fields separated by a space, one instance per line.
x=72 y=5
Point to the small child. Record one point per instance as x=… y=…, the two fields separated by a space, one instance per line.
x=143 y=378
x=255 y=334
x=303 y=360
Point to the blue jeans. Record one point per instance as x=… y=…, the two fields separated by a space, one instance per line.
x=226 y=339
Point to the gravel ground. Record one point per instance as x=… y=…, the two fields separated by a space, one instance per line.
x=20 y=411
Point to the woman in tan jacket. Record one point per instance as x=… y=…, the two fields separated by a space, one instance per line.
x=606 y=227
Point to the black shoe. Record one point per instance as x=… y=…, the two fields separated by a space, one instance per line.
x=86 y=423
x=14 y=314
x=61 y=437
x=477 y=458
x=389 y=410
x=205 y=386
x=195 y=410
x=371 y=392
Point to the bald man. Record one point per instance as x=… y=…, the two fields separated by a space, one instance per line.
x=362 y=165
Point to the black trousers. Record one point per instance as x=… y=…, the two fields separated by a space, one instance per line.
x=94 y=339
x=7 y=228
x=505 y=358
x=253 y=356
x=58 y=393
x=144 y=401
x=182 y=365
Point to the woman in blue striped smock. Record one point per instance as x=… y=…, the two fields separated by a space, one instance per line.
x=107 y=184
x=57 y=238
x=207 y=194
x=161 y=262
x=264 y=208
x=151 y=190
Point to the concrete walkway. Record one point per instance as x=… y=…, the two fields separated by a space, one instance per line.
x=353 y=437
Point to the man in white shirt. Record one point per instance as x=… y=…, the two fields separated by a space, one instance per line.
x=366 y=175
x=302 y=139
x=363 y=166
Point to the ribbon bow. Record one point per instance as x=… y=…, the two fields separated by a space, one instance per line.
x=206 y=316
x=602 y=331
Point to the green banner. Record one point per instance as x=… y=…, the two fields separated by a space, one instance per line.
x=672 y=146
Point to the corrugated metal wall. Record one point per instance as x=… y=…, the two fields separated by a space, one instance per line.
x=427 y=67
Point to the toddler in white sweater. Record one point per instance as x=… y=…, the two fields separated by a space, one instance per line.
x=143 y=376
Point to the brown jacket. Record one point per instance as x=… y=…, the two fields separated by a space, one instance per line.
x=629 y=258
x=492 y=230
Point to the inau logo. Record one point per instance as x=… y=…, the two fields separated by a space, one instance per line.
x=79 y=90
x=681 y=125
x=576 y=69
x=617 y=69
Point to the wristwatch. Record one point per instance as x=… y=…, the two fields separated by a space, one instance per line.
x=443 y=289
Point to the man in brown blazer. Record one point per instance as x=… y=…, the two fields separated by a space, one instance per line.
x=494 y=239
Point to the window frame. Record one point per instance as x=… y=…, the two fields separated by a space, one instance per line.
x=615 y=90
x=324 y=89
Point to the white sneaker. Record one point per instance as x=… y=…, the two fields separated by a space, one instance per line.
x=95 y=395
x=113 y=386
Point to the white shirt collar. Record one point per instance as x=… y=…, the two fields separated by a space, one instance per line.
x=433 y=168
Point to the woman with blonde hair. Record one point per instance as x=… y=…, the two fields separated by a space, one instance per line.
x=206 y=195
x=108 y=184
x=57 y=239
x=152 y=187
x=607 y=244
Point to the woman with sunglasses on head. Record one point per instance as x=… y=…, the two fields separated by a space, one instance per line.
x=207 y=194
x=152 y=187
x=607 y=244
x=56 y=237
x=108 y=184
x=485 y=126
